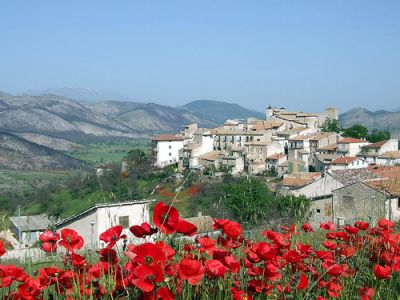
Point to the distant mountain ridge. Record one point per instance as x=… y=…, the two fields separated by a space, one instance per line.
x=380 y=119
x=19 y=154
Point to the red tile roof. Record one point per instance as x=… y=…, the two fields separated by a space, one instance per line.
x=376 y=145
x=351 y=140
x=344 y=160
x=276 y=156
x=167 y=137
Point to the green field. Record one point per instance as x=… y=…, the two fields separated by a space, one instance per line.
x=27 y=181
x=107 y=152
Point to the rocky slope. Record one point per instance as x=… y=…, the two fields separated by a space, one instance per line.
x=19 y=154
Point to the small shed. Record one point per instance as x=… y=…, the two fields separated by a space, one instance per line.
x=27 y=229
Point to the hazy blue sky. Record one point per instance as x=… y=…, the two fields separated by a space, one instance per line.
x=299 y=54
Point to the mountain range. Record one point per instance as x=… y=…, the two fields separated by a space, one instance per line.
x=64 y=119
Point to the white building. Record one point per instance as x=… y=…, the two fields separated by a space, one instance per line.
x=348 y=162
x=100 y=217
x=166 y=149
x=371 y=152
x=27 y=229
x=389 y=158
x=350 y=146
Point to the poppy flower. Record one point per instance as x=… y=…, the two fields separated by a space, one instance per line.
x=366 y=293
x=327 y=226
x=49 y=241
x=334 y=289
x=351 y=229
x=112 y=235
x=108 y=255
x=215 y=268
x=232 y=263
x=70 y=240
x=361 y=225
x=146 y=276
x=143 y=230
x=382 y=272
x=163 y=293
x=165 y=218
x=385 y=224
x=303 y=282
x=307 y=228
x=239 y=294
x=232 y=229
x=48 y=276
x=186 y=228
x=2 y=248
x=190 y=269
x=149 y=254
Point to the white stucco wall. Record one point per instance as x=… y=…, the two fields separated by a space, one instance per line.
x=319 y=188
x=168 y=152
x=356 y=164
x=106 y=217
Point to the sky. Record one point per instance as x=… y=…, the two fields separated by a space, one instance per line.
x=299 y=54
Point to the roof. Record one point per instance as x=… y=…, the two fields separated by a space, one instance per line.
x=350 y=176
x=328 y=148
x=299 y=138
x=264 y=125
x=320 y=135
x=389 y=186
x=300 y=179
x=326 y=158
x=344 y=160
x=97 y=206
x=351 y=140
x=376 y=145
x=212 y=155
x=276 y=156
x=31 y=223
x=167 y=137
x=386 y=171
x=391 y=154
x=203 y=223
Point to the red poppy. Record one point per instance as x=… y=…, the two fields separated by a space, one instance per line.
x=232 y=263
x=149 y=254
x=382 y=272
x=2 y=248
x=334 y=289
x=143 y=230
x=215 y=268
x=328 y=226
x=239 y=294
x=366 y=293
x=108 y=255
x=49 y=275
x=146 y=276
x=307 y=228
x=232 y=229
x=70 y=240
x=167 y=250
x=163 y=293
x=49 y=241
x=351 y=229
x=385 y=224
x=186 y=228
x=165 y=218
x=112 y=235
x=303 y=282
x=191 y=269
x=361 y=225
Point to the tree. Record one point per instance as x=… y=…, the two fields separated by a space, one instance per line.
x=356 y=131
x=378 y=135
x=331 y=125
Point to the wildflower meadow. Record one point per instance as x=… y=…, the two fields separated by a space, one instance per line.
x=173 y=261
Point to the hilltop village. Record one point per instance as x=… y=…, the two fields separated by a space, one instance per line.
x=346 y=178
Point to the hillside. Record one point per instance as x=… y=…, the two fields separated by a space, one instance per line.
x=218 y=111
x=19 y=154
x=380 y=119
x=59 y=117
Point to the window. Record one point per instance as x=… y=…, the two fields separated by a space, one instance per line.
x=169 y=154
x=169 y=146
x=398 y=203
x=124 y=221
x=318 y=210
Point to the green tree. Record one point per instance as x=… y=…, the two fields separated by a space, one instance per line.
x=378 y=135
x=331 y=126
x=356 y=131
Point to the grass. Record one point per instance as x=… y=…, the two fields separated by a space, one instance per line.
x=27 y=181
x=107 y=152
